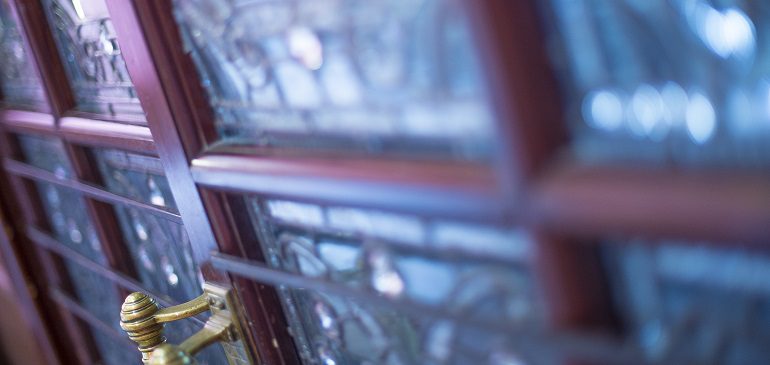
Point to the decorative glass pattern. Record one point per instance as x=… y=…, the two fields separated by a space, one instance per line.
x=473 y=272
x=689 y=304
x=374 y=76
x=69 y=222
x=46 y=153
x=19 y=82
x=160 y=248
x=665 y=81
x=113 y=353
x=161 y=253
x=92 y=58
x=135 y=176
x=340 y=331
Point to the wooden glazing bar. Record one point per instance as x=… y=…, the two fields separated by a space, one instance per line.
x=98 y=133
x=25 y=170
x=28 y=122
x=451 y=190
x=596 y=202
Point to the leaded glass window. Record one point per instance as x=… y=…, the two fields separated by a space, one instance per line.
x=92 y=58
x=664 y=81
x=358 y=76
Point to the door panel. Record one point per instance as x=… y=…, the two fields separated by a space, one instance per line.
x=692 y=301
x=661 y=90
x=159 y=247
x=378 y=77
x=92 y=58
x=471 y=271
x=378 y=182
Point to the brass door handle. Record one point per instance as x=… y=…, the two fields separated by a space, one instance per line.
x=143 y=320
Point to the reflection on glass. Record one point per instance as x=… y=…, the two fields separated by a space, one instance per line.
x=19 y=82
x=92 y=58
x=399 y=257
x=665 y=81
x=369 y=76
x=690 y=304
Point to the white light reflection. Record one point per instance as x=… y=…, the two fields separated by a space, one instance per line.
x=726 y=33
x=675 y=98
x=603 y=109
x=701 y=118
x=305 y=46
x=79 y=9
x=648 y=111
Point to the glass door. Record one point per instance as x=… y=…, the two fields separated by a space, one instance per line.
x=98 y=215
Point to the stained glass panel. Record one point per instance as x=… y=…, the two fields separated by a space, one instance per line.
x=92 y=58
x=46 y=153
x=333 y=330
x=665 y=81
x=113 y=353
x=160 y=248
x=374 y=76
x=400 y=257
x=70 y=225
x=688 y=303
x=135 y=176
x=19 y=82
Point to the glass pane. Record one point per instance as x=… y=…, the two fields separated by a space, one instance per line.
x=135 y=176
x=67 y=215
x=92 y=57
x=113 y=353
x=178 y=331
x=161 y=253
x=69 y=220
x=687 y=303
x=19 y=82
x=46 y=153
x=663 y=81
x=471 y=271
x=333 y=330
x=374 y=76
x=160 y=248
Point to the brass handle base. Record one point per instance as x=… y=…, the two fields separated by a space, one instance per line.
x=143 y=321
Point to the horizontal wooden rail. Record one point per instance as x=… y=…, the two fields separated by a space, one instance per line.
x=28 y=122
x=613 y=201
x=445 y=189
x=107 y=134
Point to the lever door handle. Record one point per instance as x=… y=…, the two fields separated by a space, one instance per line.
x=143 y=320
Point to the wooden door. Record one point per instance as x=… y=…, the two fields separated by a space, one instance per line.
x=379 y=181
x=91 y=198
